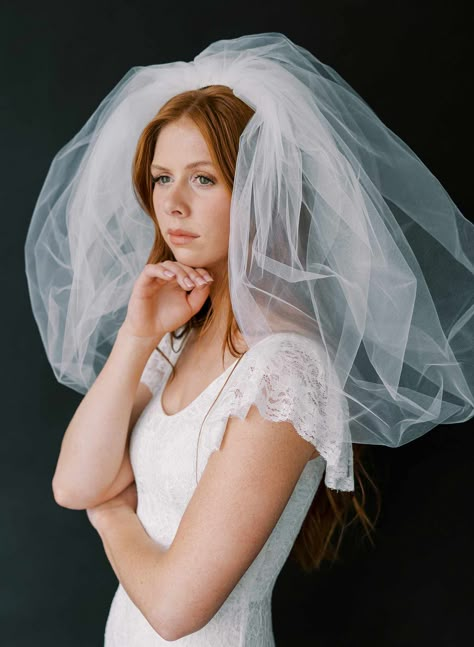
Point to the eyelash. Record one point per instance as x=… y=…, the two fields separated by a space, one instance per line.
x=154 y=180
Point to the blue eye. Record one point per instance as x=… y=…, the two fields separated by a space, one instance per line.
x=156 y=180
x=206 y=178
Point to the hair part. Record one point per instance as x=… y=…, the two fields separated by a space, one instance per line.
x=221 y=118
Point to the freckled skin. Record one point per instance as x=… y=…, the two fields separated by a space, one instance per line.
x=184 y=200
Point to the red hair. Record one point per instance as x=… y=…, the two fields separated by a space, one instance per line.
x=221 y=118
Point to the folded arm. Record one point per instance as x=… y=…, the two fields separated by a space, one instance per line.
x=94 y=448
x=237 y=503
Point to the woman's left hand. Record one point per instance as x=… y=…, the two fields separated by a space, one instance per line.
x=127 y=499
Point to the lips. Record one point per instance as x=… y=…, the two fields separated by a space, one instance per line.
x=182 y=232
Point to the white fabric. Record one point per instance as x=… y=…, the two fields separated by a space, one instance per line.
x=338 y=231
x=163 y=457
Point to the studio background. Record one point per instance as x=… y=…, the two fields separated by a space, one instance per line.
x=411 y=62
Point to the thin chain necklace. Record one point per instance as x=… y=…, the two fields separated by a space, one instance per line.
x=208 y=411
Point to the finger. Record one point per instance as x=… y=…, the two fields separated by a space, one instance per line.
x=182 y=276
x=196 y=275
x=204 y=274
x=193 y=272
x=154 y=271
x=196 y=298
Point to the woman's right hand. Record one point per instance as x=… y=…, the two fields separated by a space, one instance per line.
x=161 y=303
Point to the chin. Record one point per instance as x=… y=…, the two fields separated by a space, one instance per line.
x=195 y=259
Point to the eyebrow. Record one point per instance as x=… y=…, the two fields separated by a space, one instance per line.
x=192 y=165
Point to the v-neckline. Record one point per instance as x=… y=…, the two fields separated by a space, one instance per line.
x=199 y=396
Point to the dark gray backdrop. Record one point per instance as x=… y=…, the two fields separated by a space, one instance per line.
x=411 y=62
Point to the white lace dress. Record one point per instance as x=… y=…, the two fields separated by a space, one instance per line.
x=283 y=376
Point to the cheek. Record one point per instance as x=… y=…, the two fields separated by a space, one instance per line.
x=158 y=208
x=155 y=202
x=220 y=220
x=224 y=211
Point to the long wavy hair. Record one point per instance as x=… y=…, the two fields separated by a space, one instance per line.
x=221 y=118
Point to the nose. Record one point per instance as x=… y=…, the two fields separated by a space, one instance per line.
x=175 y=203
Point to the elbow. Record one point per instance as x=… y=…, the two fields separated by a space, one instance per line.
x=76 y=498
x=64 y=499
x=169 y=631
x=164 y=628
x=62 y=495
x=164 y=625
x=182 y=609
x=181 y=621
x=67 y=499
x=166 y=633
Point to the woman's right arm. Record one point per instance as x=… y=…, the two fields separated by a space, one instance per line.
x=94 y=461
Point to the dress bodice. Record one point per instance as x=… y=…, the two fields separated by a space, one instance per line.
x=164 y=458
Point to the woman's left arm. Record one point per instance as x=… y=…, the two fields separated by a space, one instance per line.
x=137 y=560
x=237 y=502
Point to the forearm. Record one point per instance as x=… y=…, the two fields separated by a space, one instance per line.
x=138 y=562
x=93 y=445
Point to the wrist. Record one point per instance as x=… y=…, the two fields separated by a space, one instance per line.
x=145 y=342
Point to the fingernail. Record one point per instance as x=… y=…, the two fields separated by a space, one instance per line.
x=168 y=273
x=208 y=277
x=188 y=282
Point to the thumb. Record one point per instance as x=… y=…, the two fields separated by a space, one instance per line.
x=197 y=297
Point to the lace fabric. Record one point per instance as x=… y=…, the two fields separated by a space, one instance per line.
x=163 y=452
x=284 y=376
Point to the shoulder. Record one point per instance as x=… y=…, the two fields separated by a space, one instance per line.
x=288 y=365
x=287 y=356
x=289 y=377
x=287 y=343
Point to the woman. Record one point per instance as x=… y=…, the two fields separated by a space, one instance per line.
x=267 y=369
x=176 y=586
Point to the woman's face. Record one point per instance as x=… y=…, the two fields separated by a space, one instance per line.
x=192 y=198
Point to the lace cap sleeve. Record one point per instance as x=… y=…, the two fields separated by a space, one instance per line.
x=285 y=377
x=157 y=368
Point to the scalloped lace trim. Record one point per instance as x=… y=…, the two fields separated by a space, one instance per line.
x=285 y=378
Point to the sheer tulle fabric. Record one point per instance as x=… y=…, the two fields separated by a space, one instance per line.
x=338 y=232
